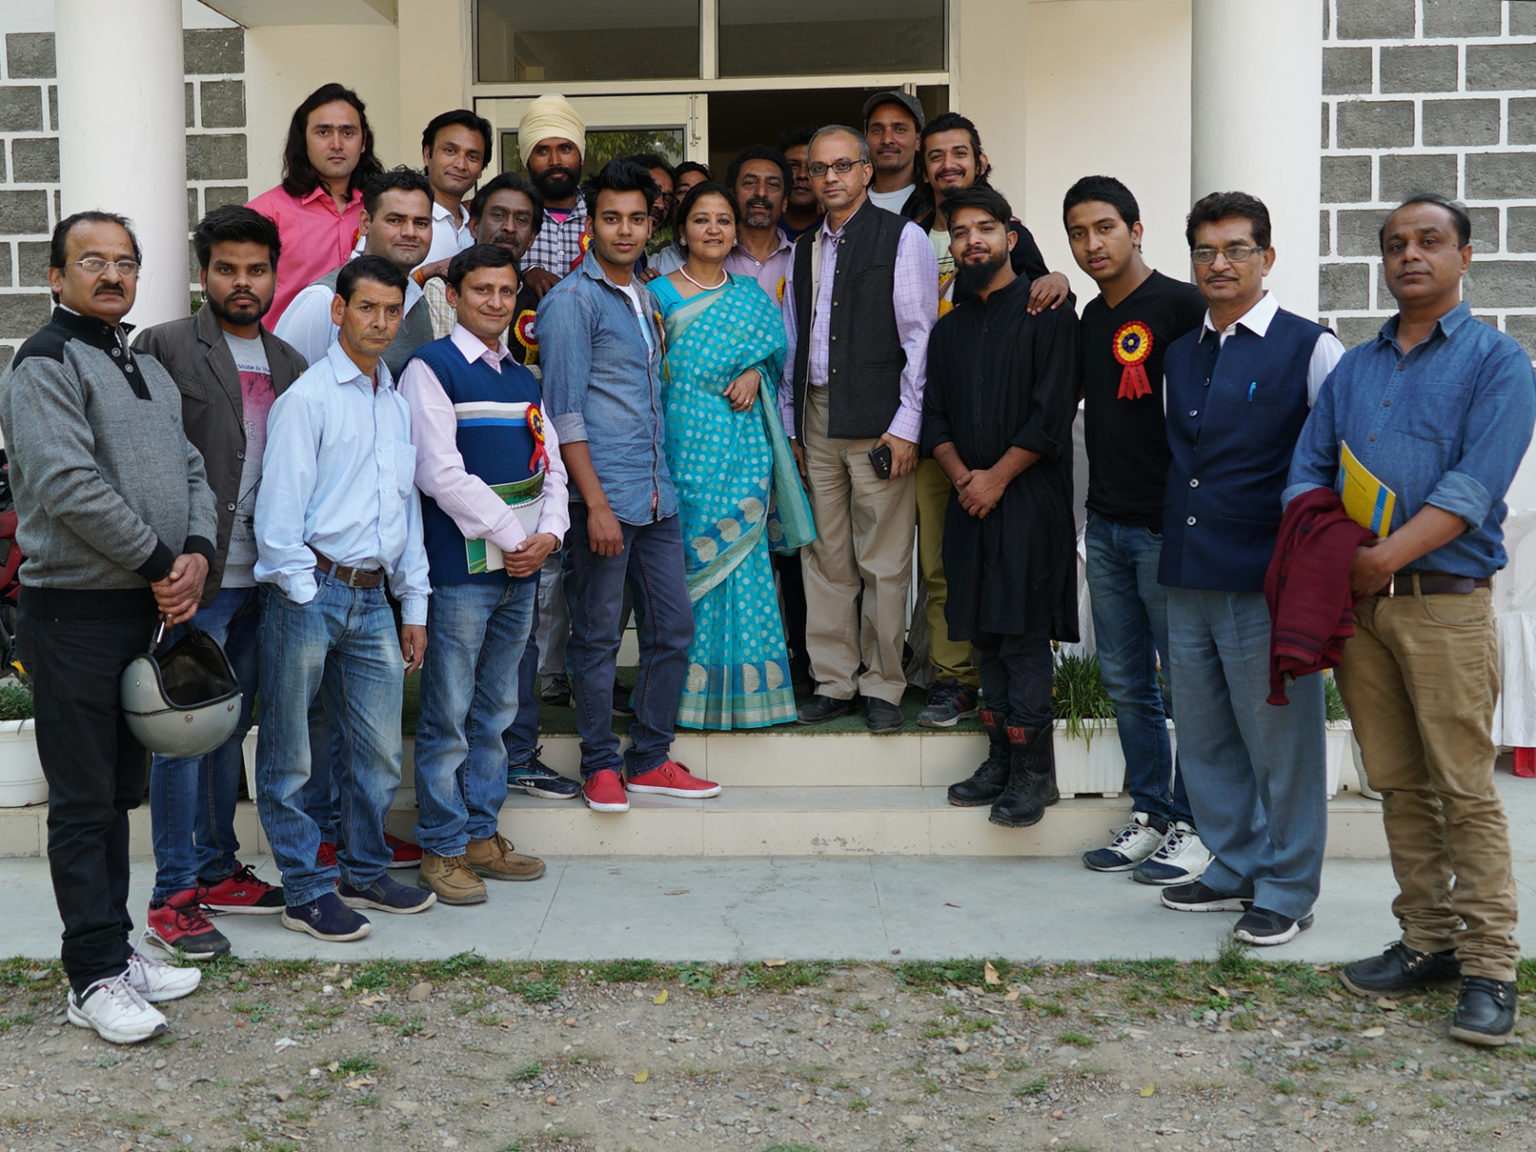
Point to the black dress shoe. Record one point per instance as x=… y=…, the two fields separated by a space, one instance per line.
x=1486 y=1012
x=880 y=716
x=986 y=784
x=1399 y=969
x=819 y=709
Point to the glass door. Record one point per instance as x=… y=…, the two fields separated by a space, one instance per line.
x=674 y=126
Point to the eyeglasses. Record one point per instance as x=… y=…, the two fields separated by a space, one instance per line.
x=842 y=167
x=1235 y=253
x=96 y=265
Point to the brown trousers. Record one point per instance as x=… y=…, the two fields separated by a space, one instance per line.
x=1420 y=679
x=950 y=659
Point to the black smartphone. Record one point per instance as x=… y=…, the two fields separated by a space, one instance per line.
x=880 y=460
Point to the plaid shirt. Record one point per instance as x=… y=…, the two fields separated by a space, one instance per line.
x=557 y=247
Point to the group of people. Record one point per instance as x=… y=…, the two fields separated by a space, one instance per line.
x=411 y=428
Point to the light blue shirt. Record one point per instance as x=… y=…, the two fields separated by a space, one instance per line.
x=339 y=478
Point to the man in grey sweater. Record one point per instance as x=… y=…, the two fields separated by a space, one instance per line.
x=117 y=523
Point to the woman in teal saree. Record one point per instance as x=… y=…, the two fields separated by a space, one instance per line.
x=738 y=491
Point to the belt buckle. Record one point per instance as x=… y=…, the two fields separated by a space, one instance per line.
x=352 y=577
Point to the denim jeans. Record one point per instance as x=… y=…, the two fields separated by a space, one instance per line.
x=521 y=738
x=469 y=698
x=342 y=643
x=192 y=799
x=1257 y=776
x=652 y=562
x=1130 y=628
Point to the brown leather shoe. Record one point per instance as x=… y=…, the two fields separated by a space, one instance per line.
x=495 y=860
x=451 y=879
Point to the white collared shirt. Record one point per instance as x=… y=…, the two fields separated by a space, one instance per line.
x=1325 y=353
x=449 y=237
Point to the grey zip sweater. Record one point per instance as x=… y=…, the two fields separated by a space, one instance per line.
x=108 y=490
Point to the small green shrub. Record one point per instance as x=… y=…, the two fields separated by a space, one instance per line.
x=1078 y=695
x=15 y=702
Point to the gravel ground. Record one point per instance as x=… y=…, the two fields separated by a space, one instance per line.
x=470 y=1054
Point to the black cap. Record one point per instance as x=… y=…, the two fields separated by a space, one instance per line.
x=895 y=96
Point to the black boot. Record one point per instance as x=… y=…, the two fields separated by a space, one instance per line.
x=1486 y=1012
x=1030 y=787
x=1048 y=758
x=986 y=784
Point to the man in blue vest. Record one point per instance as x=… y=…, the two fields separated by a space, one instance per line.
x=1238 y=389
x=493 y=508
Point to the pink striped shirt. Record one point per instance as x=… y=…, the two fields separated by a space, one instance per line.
x=315 y=237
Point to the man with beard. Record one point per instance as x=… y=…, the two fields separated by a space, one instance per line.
x=997 y=417
x=229 y=370
x=661 y=211
x=685 y=177
x=454 y=148
x=802 y=212
x=892 y=121
x=551 y=140
x=397 y=225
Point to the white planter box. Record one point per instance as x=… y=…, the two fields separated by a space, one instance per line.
x=1092 y=764
x=21 y=773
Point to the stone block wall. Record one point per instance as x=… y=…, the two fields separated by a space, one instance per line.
x=1438 y=96
x=29 y=158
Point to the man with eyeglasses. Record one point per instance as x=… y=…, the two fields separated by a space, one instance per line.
x=1238 y=389
x=117 y=522
x=861 y=299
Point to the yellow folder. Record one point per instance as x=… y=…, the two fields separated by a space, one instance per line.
x=1368 y=501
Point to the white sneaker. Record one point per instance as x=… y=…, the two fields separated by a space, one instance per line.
x=158 y=982
x=116 y=1011
x=1130 y=846
x=1179 y=859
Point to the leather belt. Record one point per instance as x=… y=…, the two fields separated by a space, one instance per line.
x=1434 y=584
x=351 y=577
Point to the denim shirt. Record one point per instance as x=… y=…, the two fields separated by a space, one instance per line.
x=1446 y=424
x=602 y=386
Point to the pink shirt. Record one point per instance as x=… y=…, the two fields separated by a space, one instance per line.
x=315 y=238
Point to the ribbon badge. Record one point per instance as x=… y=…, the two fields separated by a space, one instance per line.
x=522 y=328
x=582 y=245
x=1133 y=344
x=536 y=426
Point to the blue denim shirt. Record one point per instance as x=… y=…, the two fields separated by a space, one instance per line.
x=1446 y=424
x=602 y=385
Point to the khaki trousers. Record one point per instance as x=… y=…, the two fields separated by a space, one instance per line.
x=1420 y=679
x=858 y=572
x=951 y=659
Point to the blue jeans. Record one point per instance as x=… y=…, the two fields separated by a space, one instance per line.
x=342 y=643
x=521 y=738
x=652 y=563
x=1257 y=776
x=192 y=799
x=469 y=698
x=1130 y=629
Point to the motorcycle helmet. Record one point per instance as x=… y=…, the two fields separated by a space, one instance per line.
x=184 y=701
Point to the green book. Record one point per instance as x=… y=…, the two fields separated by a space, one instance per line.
x=526 y=499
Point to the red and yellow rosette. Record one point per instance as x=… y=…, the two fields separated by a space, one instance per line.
x=536 y=426
x=1132 y=346
x=582 y=246
x=522 y=329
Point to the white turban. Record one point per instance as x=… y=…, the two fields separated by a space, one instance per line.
x=550 y=117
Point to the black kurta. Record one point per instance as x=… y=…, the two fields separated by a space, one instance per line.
x=1000 y=378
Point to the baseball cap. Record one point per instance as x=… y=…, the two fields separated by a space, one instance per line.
x=895 y=96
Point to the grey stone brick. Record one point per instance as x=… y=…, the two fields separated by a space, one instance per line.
x=1501 y=283
x=1401 y=176
x=1323 y=133
x=218 y=195
x=1323 y=239
x=1346 y=179
x=1500 y=175
x=215 y=157
x=1463 y=17
x=223 y=103
x=23 y=313
x=1375 y=19
x=1460 y=122
x=29 y=56
x=1485 y=230
x=1420 y=68
x=1374 y=124
x=21 y=109
x=1346 y=70
x=23 y=212
x=1522 y=19
x=1522 y=121
x=53 y=107
x=1343 y=286
x=32 y=264
x=1358 y=231
x=213 y=50
x=1501 y=66
x=189 y=105
x=35 y=159
x=1353 y=330
x=193 y=215
x=3 y=175
x=5 y=266
x=1523 y=329
x=1521 y=231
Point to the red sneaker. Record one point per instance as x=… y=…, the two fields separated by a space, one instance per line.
x=669 y=778
x=326 y=856
x=179 y=925
x=403 y=854
x=604 y=792
x=243 y=893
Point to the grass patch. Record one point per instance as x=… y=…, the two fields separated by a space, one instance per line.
x=530 y=1071
x=1076 y=1040
x=1035 y=1087
x=355 y=1066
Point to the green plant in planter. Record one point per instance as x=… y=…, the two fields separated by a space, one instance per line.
x=1333 y=701
x=15 y=702
x=1078 y=696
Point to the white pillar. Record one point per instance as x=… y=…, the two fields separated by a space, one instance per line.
x=1257 y=87
x=122 y=143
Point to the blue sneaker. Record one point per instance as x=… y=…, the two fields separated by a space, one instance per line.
x=326 y=918
x=388 y=895
x=538 y=779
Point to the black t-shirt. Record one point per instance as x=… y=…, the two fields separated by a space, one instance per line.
x=1126 y=438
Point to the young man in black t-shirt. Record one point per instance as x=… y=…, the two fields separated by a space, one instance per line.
x=1123 y=334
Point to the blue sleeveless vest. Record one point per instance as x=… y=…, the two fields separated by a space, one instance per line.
x=493 y=437
x=1233 y=422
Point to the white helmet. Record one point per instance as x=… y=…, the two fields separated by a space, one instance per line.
x=186 y=700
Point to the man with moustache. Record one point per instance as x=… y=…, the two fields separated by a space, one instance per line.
x=454 y=149
x=892 y=121
x=507 y=212
x=802 y=212
x=229 y=370
x=551 y=139
x=997 y=416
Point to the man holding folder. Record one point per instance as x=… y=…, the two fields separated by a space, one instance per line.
x=1423 y=429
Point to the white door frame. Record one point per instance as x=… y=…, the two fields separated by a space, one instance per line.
x=688 y=111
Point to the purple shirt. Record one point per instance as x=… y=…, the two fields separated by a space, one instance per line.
x=915 y=297
x=772 y=274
